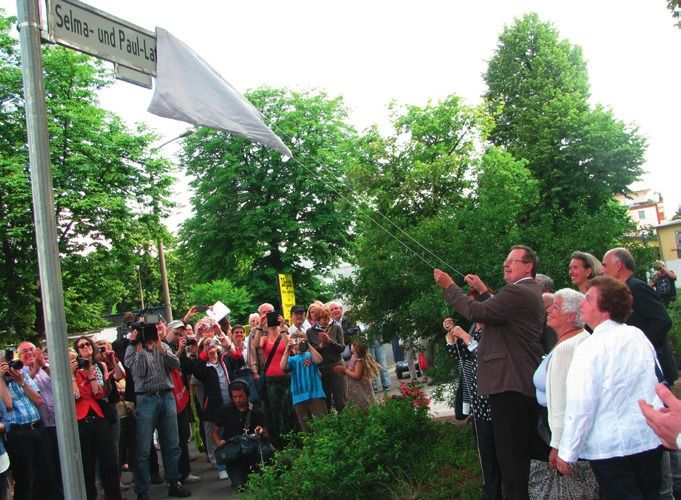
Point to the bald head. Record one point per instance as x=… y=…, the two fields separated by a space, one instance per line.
x=619 y=263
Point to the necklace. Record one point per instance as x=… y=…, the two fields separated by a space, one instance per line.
x=567 y=333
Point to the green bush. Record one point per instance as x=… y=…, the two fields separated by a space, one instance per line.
x=391 y=451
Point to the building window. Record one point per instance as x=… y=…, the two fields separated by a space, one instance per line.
x=678 y=243
x=641 y=215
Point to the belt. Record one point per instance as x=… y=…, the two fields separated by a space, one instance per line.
x=154 y=393
x=91 y=418
x=26 y=427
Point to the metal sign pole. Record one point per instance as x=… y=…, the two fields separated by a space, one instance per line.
x=47 y=248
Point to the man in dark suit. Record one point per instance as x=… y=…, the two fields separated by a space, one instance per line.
x=649 y=314
x=508 y=354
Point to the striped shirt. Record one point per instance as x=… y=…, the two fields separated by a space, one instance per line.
x=150 y=369
x=44 y=383
x=23 y=410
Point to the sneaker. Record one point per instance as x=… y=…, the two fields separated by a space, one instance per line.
x=222 y=475
x=156 y=479
x=191 y=478
x=177 y=490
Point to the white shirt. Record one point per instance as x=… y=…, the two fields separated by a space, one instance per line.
x=556 y=377
x=610 y=372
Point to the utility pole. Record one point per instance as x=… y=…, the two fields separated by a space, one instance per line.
x=161 y=252
x=47 y=249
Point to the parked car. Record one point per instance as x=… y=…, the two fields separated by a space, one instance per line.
x=401 y=367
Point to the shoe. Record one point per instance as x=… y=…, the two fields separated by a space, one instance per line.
x=177 y=490
x=143 y=496
x=191 y=478
x=156 y=479
x=222 y=475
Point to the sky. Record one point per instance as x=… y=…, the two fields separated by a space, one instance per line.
x=372 y=52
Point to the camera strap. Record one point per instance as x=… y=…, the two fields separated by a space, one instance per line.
x=271 y=356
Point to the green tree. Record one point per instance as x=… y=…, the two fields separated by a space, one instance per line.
x=110 y=191
x=538 y=93
x=236 y=298
x=436 y=186
x=256 y=215
x=675 y=7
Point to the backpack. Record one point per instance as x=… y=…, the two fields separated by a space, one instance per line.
x=665 y=287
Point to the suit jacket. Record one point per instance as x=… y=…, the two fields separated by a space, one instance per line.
x=650 y=316
x=510 y=349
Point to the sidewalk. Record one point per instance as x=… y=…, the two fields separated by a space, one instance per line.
x=211 y=487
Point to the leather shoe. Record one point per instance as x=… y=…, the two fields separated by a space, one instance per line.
x=177 y=490
x=143 y=496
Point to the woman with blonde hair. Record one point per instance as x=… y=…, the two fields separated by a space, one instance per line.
x=361 y=369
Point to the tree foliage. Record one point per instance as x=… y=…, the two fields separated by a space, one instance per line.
x=256 y=215
x=238 y=298
x=675 y=7
x=110 y=192
x=538 y=95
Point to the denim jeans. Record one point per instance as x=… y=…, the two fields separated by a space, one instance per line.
x=156 y=412
x=379 y=355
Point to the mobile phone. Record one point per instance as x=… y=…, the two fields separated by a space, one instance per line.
x=272 y=318
x=9 y=355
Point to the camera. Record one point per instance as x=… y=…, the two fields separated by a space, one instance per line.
x=301 y=343
x=272 y=319
x=83 y=364
x=101 y=349
x=17 y=364
x=191 y=340
x=146 y=329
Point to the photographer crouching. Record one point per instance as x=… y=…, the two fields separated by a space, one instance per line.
x=150 y=361
x=240 y=421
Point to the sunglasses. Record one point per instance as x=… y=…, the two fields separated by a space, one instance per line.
x=83 y=346
x=207 y=326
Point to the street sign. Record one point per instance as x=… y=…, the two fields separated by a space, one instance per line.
x=84 y=28
x=132 y=76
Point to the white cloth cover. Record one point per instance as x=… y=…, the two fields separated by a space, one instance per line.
x=188 y=89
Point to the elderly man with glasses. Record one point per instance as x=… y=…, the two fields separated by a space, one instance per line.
x=508 y=354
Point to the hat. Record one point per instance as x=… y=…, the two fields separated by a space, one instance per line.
x=178 y=323
x=297 y=308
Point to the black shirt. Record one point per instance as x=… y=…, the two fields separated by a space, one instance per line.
x=232 y=421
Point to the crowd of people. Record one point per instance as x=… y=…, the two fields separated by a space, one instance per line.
x=559 y=384
x=562 y=385
x=251 y=386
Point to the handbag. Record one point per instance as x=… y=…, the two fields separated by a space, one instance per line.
x=238 y=446
x=110 y=414
x=260 y=384
x=179 y=390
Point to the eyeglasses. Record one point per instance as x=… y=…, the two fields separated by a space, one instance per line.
x=83 y=346
x=511 y=261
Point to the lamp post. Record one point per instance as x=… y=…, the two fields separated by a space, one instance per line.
x=139 y=282
x=161 y=252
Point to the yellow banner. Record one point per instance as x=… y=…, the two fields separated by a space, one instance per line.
x=287 y=294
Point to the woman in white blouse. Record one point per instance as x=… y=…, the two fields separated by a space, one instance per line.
x=563 y=317
x=610 y=371
x=549 y=379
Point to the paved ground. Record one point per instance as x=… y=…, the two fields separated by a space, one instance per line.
x=211 y=487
